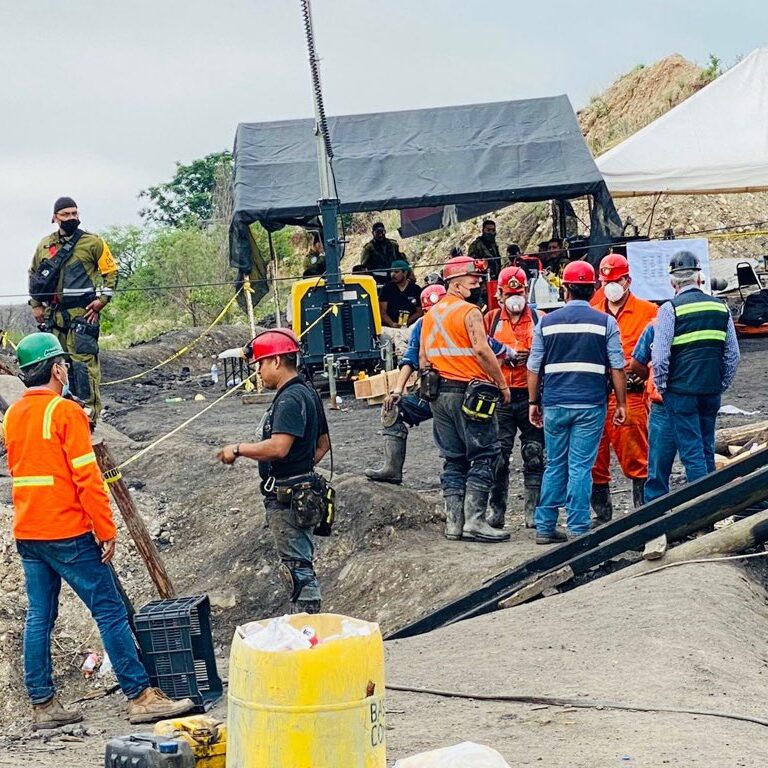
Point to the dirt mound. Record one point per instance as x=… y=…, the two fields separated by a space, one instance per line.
x=691 y=638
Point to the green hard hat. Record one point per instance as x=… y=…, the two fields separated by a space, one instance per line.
x=38 y=347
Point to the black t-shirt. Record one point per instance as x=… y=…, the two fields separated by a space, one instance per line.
x=296 y=410
x=400 y=301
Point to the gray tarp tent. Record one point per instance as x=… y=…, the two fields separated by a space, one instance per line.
x=473 y=156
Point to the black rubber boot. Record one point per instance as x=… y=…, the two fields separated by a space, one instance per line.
x=638 y=492
x=475 y=526
x=601 y=502
x=454 y=517
x=532 y=496
x=395 y=442
x=498 y=500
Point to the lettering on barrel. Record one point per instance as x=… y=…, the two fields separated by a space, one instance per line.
x=377 y=725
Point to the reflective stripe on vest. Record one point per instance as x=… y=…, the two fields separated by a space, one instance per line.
x=32 y=481
x=693 y=336
x=48 y=417
x=700 y=306
x=574 y=368
x=81 y=461
x=551 y=330
x=452 y=350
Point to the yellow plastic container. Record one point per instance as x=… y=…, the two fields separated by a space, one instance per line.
x=206 y=735
x=317 y=708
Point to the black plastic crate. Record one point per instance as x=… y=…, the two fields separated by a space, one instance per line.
x=177 y=649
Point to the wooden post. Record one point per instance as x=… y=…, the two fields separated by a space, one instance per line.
x=252 y=322
x=134 y=522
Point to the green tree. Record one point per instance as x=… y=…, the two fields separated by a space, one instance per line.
x=189 y=197
x=128 y=245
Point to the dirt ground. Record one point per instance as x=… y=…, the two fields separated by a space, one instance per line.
x=692 y=637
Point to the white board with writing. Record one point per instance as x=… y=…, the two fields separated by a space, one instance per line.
x=649 y=265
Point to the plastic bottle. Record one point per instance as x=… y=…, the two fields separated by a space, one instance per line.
x=215 y=373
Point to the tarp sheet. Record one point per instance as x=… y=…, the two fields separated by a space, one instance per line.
x=485 y=155
x=714 y=141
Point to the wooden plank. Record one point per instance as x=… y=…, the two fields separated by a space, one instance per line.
x=378 y=400
x=655 y=548
x=538 y=587
x=379 y=385
x=740 y=435
x=362 y=388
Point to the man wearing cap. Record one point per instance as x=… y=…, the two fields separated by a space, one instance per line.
x=82 y=279
x=400 y=410
x=64 y=530
x=399 y=299
x=576 y=350
x=629 y=440
x=513 y=324
x=695 y=357
x=379 y=253
x=294 y=439
x=484 y=248
x=455 y=356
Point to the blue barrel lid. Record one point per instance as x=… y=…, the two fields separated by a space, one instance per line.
x=167 y=747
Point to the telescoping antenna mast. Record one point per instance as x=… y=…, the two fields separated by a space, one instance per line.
x=329 y=201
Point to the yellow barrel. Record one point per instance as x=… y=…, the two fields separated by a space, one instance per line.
x=317 y=708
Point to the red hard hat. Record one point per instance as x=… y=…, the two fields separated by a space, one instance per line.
x=431 y=295
x=612 y=267
x=463 y=265
x=512 y=280
x=578 y=272
x=278 y=341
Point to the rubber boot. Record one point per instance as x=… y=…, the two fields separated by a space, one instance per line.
x=532 y=495
x=394 y=458
x=475 y=526
x=601 y=502
x=498 y=501
x=638 y=492
x=454 y=517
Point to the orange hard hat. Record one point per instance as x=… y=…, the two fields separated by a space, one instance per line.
x=431 y=295
x=513 y=280
x=613 y=267
x=278 y=341
x=463 y=265
x=578 y=272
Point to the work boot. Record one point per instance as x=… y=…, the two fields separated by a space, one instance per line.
x=532 y=495
x=394 y=458
x=152 y=704
x=601 y=503
x=556 y=537
x=497 y=505
x=475 y=526
x=454 y=517
x=638 y=492
x=52 y=714
x=305 y=606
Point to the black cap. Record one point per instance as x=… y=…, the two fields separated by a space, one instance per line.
x=62 y=203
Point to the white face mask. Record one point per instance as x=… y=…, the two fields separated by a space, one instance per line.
x=515 y=304
x=614 y=292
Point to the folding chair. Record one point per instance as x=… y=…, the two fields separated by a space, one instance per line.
x=746 y=277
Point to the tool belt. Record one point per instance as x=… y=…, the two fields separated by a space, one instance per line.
x=311 y=498
x=429 y=384
x=635 y=387
x=480 y=400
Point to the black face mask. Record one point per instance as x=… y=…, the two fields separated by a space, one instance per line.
x=69 y=226
x=475 y=295
x=489 y=237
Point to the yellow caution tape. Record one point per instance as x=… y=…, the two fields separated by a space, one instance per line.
x=245 y=384
x=5 y=340
x=181 y=351
x=737 y=235
x=112 y=475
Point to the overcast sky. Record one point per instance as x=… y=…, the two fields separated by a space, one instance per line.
x=99 y=98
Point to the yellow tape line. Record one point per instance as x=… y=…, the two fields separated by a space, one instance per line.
x=244 y=383
x=737 y=235
x=181 y=351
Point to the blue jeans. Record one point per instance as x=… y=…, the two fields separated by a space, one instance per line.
x=469 y=449
x=661 y=453
x=295 y=547
x=692 y=425
x=78 y=562
x=414 y=410
x=572 y=437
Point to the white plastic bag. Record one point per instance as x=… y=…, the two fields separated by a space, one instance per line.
x=464 y=755
x=278 y=635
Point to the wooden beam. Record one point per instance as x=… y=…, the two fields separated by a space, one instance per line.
x=133 y=521
x=538 y=587
x=740 y=435
x=655 y=548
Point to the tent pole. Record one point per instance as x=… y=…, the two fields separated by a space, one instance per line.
x=273 y=257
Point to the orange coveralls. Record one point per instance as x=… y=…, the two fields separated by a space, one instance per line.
x=630 y=440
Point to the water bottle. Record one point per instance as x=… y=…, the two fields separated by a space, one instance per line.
x=215 y=373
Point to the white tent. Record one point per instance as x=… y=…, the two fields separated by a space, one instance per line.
x=714 y=141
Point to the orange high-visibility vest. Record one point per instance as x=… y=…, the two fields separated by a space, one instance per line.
x=58 y=491
x=446 y=341
x=518 y=336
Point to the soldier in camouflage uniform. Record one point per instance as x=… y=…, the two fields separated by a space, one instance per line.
x=485 y=248
x=379 y=253
x=86 y=283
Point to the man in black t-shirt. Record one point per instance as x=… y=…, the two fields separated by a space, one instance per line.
x=400 y=298
x=294 y=439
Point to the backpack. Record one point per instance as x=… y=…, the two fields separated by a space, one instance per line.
x=755 y=309
x=44 y=281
